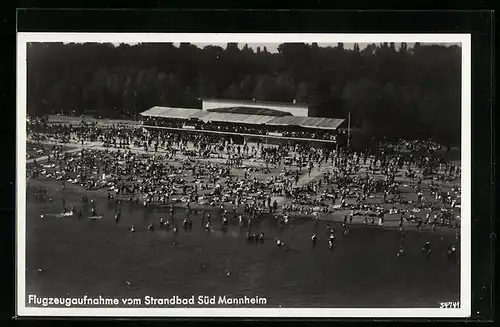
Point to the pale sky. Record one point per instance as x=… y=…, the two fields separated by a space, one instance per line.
x=273 y=47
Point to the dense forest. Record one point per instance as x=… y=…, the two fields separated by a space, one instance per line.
x=390 y=89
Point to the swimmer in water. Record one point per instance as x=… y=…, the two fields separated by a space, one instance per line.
x=427 y=247
x=314 y=239
x=452 y=249
x=401 y=251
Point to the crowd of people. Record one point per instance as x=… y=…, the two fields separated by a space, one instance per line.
x=155 y=167
x=36 y=149
x=411 y=146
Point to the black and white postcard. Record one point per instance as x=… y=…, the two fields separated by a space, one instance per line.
x=243 y=175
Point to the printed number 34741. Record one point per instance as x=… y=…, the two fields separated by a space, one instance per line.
x=449 y=305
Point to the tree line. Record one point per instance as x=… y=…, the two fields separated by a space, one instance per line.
x=391 y=90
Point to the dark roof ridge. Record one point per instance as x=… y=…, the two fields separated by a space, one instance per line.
x=289 y=104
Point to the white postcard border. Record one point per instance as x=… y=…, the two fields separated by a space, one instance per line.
x=465 y=246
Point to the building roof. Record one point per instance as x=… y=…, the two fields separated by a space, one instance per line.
x=308 y=122
x=168 y=112
x=229 y=117
x=236 y=118
x=251 y=111
x=254 y=102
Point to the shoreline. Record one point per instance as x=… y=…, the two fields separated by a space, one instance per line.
x=334 y=218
